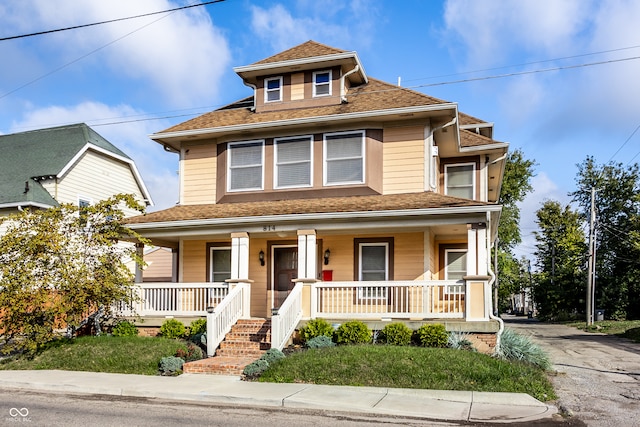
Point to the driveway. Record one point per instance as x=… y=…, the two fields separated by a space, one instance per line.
x=598 y=375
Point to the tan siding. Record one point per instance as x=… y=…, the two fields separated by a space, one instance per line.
x=408 y=257
x=199 y=175
x=297 y=86
x=194 y=260
x=259 y=303
x=341 y=260
x=403 y=162
x=159 y=266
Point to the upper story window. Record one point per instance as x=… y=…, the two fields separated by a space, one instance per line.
x=245 y=170
x=322 y=83
x=459 y=180
x=293 y=162
x=273 y=89
x=344 y=158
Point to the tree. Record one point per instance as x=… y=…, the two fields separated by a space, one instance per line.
x=618 y=233
x=559 y=288
x=58 y=265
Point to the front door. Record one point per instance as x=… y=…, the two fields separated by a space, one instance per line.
x=285 y=270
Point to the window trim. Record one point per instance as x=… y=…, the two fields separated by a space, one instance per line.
x=362 y=157
x=473 y=177
x=448 y=290
x=358 y=243
x=210 y=248
x=267 y=91
x=315 y=83
x=276 y=184
x=229 y=167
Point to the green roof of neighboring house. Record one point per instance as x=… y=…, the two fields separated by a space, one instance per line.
x=26 y=157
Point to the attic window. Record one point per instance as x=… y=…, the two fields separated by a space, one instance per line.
x=273 y=89
x=322 y=83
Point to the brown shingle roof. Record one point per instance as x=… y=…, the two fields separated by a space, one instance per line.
x=466 y=119
x=472 y=139
x=375 y=95
x=426 y=200
x=305 y=50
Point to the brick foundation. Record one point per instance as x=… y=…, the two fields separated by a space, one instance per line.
x=484 y=342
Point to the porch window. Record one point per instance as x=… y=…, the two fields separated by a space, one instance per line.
x=374 y=260
x=293 y=160
x=273 y=89
x=245 y=170
x=322 y=83
x=219 y=264
x=344 y=158
x=459 y=180
x=455 y=264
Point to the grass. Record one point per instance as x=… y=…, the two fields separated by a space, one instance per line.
x=410 y=367
x=126 y=355
x=623 y=328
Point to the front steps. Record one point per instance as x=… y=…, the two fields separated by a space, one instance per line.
x=246 y=342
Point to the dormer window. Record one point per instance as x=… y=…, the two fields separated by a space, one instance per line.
x=322 y=83
x=460 y=180
x=273 y=89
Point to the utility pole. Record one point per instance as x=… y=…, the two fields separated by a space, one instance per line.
x=592 y=263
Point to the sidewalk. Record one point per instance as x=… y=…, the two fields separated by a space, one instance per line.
x=428 y=404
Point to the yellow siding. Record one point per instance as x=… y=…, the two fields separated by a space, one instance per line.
x=403 y=160
x=194 y=260
x=341 y=261
x=199 y=175
x=297 y=86
x=408 y=257
x=159 y=265
x=259 y=303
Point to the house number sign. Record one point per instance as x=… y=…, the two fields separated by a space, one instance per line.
x=268 y=228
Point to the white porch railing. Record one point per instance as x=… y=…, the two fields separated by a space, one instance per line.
x=224 y=316
x=176 y=299
x=287 y=318
x=399 y=299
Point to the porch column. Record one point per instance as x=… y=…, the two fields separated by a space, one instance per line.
x=140 y=253
x=174 y=265
x=477 y=249
x=307 y=269
x=240 y=269
x=477 y=292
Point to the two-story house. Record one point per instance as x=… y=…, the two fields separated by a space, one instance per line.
x=328 y=193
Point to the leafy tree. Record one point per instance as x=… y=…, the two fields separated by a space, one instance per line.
x=59 y=265
x=618 y=233
x=560 y=285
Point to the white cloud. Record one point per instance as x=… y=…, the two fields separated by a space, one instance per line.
x=157 y=167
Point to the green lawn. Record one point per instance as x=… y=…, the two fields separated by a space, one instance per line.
x=623 y=328
x=127 y=355
x=410 y=367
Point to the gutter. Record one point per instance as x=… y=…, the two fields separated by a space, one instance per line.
x=432 y=176
x=492 y=274
x=343 y=91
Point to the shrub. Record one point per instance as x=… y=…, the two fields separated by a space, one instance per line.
x=396 y=334
x=198 y=326
x=460 y=341
x=272 y=355
x=171 y=365
x=320 y=342
x=172 y=328
x=315 y=328
x=353 y=332
x=432 y=335
x=254 y=369
x=124 y=328
x=514 y=346
x=193 y=352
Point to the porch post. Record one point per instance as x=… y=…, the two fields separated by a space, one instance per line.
x=307 y=269
x=472 y=246
x=174 y=265
x=477 y=291
x=240 y=269
x=140 y=253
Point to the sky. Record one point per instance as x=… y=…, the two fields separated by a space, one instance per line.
x=558 y=78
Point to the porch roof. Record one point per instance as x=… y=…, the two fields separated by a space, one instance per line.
x=326 y=205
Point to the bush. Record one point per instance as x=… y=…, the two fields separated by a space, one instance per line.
x=396 y=334
x=316 y=328
x=254 y=369
x=171 y=365
x=514 y=346
x=432 y=335
x=460 y=341
x=353 y=332
x=193 y=352
x=272 y=355
x=198 y=326
x=124 y=328
x=172 y=328
x=321 y=341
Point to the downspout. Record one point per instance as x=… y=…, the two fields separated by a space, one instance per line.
x=255 y=94
x=343 y=95
x=491 y=282
x=432 y=176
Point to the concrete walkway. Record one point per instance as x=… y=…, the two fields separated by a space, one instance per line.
x=426 y=404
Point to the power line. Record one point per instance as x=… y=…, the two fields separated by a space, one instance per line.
x=39 y=33
x=625 y=143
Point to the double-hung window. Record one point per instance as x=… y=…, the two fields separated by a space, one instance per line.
x=455 y=264
x=459 y=180
x=220 y=264
x=344 y=158
x=374 y=260
x=245 y=171
x=322 y=83
x=273 y=89
x=293 y=160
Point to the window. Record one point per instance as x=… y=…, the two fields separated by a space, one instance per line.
x=459 y=180
x=374 y=263
x=245 y=170
x=322 y=83
x=273 y=89
x=293 y=160
x=455 y=264
x=344 y=158
x=83 y=204
x=219 y=264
